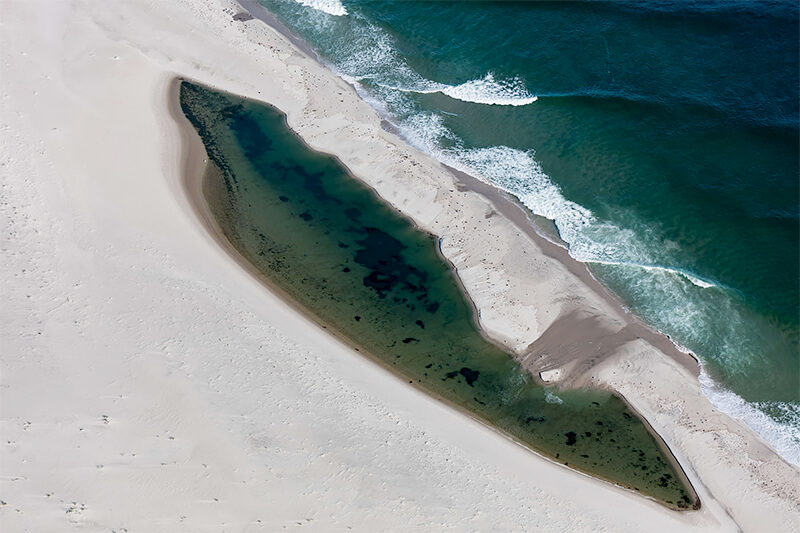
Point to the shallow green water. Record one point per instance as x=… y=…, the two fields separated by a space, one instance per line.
x=364 y=270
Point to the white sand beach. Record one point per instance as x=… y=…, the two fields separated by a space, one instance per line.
x=148 y=382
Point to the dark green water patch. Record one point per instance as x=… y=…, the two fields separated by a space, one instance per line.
x=364 y=270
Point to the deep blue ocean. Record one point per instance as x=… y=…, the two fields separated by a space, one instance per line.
x=661 y=137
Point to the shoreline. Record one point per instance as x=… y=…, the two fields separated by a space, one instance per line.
x=183 y=396
x=657 y=342
x=776 y=431
x=517 y=214
x=194 y=177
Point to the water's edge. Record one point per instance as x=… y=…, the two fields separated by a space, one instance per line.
x=517 y=213
x=193 y=188
x=543 y=232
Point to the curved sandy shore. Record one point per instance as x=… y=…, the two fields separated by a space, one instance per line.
x=150 y=383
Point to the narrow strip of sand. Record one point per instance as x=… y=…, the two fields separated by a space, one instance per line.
x=150 y=383
x=200 y=178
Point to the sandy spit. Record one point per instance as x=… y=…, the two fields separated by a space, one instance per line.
x=149 y=383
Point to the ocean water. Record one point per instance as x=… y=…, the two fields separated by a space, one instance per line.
x=331 y=245
x=660 y=137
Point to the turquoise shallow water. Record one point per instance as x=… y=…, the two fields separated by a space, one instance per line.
x=331 y=245
x=661 y=137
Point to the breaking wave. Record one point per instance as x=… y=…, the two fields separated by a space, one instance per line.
x=486 y=90
x=370 y=56
x=331 y=7
x=691 y=278
x=681 y=300
x=783 y=436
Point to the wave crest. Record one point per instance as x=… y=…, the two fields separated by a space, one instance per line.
x=370 y=56
x=486 y=90
x=691 y=278
x=331 y=7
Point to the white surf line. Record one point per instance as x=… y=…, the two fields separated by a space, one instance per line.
x=479 y=91
x=331 y=7
x=692 y=278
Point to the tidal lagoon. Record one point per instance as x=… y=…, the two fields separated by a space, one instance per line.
x=365 y=272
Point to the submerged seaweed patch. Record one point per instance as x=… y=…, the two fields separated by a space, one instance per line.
x=367 y=272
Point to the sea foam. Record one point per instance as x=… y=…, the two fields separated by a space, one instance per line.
x=489 y=91
x=331 y=7
x=784 y=437
x=371 y=57
x=517 y=172
x=486 y=90
x=691 y=278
